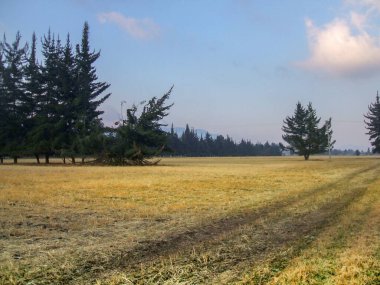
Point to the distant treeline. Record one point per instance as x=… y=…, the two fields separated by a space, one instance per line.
x=350 y=152
x=50 y=107
x=190 y=144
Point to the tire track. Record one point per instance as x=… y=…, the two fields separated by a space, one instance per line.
x=266 y=238
x=215 y=229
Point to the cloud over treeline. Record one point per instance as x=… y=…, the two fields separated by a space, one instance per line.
x=142 y=29
x=345 y=46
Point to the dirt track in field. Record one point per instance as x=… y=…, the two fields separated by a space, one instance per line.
x=266 y=229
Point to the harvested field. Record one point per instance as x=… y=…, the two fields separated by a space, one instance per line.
x=192 y=221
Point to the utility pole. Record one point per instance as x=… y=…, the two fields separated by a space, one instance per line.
x=121 y=110
x=329 y=146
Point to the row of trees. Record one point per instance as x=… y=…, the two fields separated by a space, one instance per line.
x=190 y=144
x=49 y=107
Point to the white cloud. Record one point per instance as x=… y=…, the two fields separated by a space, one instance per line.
x=343 y=47
x=143 y=29
x=369 y=4
x=359 y=21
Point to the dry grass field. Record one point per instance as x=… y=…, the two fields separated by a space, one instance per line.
x=192 y=221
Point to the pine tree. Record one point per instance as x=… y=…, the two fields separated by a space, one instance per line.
x=303 y=134
x=173 y=140
x=373 y=124
x=33 y=92
x=13 y=131
x=295 y=129
x=44 y=131
x=89 y=94
x=140 y=137
x=64 y=140
x=208 y=144
x=2 y=105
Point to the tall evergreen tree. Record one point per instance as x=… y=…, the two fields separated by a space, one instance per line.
x=173 y=140
x=2 y=105
x=373 y=124
x=295 y=131
x=89 y=94
x=33 y=92
x=189 y=140
x=13 y=130
x=68 y=88
x=303 y=134
x=44 y=131
x=208 y=141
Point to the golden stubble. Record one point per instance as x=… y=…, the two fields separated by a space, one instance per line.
x=58 y=214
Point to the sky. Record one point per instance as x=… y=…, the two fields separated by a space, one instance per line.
x=238 y=67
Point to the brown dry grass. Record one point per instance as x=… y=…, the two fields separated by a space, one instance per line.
x=191 y=221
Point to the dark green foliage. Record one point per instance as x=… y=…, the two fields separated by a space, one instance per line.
x=32 y=81
x=303 y=134
x=44 y=133
x=89 y=94
x=140 y=136
x=190 y=144
x=65 y=127
x=13 y=129
x=373 y=124
x=2 y=106
x=49 y=108
x=33 y=93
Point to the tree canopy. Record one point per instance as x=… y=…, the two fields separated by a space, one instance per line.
x=303 y=134
x=51 y=107
x=189 y=143
x=373 y=124
x=140 y=136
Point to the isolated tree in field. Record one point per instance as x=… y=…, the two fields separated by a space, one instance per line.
x=373 y=124
x=303 y=134
x=140 y=136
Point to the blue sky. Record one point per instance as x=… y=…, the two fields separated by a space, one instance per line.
x=239 y=67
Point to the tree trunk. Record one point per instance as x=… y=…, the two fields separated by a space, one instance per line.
x=73 y=160
x=82 y=160
x=306 y=156
x=15 y=160
x=38 y=158
x=1 y=160
x=47 y=159
x=64 y=160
